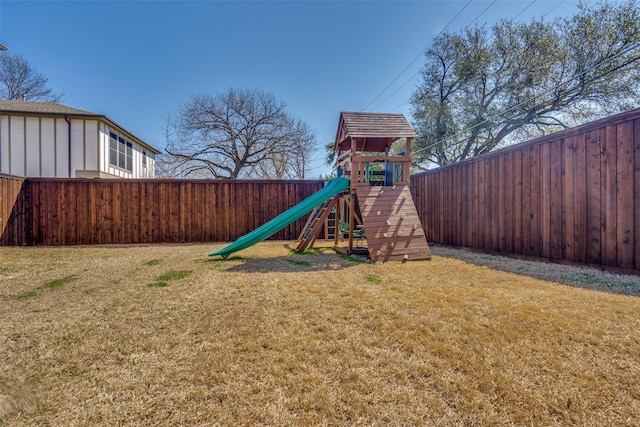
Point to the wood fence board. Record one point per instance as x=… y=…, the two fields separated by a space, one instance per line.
x=457 y=190
x=569 y=199
x=580 y=200
x=494 y=208
x=458 y=224
x=555 y=205
x=625 y=193
x=199 y=200
x=475 y=205
x=545 y=196
x=11 y=189
x=443 y=203
x=593 y=197
x=536 y=201
x=429 y=199
x=509 y=214
x=526 y=202
x=467 y=175
x=147 y=213
x=517 y=202
x=34 y=216
x=501 y=169
x=609 y=200
x=482 y=204
x=155 y=212
x=176 y=211
x=224 y=226
x=445 y=207
x=636 y=193
x=80 y=201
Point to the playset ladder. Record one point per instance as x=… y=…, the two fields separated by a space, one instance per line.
x=316 y=223
x=331 y=225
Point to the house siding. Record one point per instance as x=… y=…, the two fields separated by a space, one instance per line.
x=17 y=146
x=90 y=160
x=4 y=146
x=61 y=149
x=32 y=146
x=47 y=147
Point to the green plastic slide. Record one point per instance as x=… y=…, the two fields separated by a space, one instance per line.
x=333 y=187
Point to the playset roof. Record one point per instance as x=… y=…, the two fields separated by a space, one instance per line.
x=376 y=128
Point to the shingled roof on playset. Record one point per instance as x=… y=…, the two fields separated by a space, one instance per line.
x=376 y=125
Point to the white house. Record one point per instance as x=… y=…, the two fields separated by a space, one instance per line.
x=45 y=139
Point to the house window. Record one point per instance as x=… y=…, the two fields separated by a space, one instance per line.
x=113 y=150
x=144 y=158
x=120 y=152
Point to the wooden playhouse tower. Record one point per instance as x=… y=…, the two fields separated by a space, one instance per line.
x=377 y=215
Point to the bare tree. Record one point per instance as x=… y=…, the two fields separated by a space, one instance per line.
x=481 y=87
x=288 y=161
x=20 y=82
x=237 y=134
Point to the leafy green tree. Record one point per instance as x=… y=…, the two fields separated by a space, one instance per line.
x=481 y=88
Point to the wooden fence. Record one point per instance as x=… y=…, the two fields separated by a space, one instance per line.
x=572 y=196
x=10 y=204
x=99 y=211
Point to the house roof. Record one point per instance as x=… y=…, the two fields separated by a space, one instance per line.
x=376 y=125
x=55 y=109
x=41 y=107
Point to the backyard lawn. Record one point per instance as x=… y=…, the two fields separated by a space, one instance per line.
x=165 y=335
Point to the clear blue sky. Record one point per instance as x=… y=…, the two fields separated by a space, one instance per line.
x=137 y=61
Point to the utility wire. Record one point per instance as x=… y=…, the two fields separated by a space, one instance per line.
x=519 y=13
x=630 y=49
x=417 y=57
x=418 y=72
x=554 y=8
x=527 y=7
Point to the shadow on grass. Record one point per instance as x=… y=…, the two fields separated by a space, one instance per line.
x=283 y=264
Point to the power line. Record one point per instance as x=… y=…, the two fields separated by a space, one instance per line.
x=405 y=102
x=519 y=13
x=527 y=7
x=417 y=57
x=630 y=49
x=468 y=25
x=418 y=72
x=554 y=8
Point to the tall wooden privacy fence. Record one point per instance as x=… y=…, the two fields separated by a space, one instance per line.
x=97 y=211
x=571 y=196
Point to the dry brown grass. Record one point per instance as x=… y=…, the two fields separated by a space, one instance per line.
x=275 y=339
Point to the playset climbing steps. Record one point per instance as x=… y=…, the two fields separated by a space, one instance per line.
x=316 y=223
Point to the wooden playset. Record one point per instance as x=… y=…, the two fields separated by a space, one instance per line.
x=376 y=215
